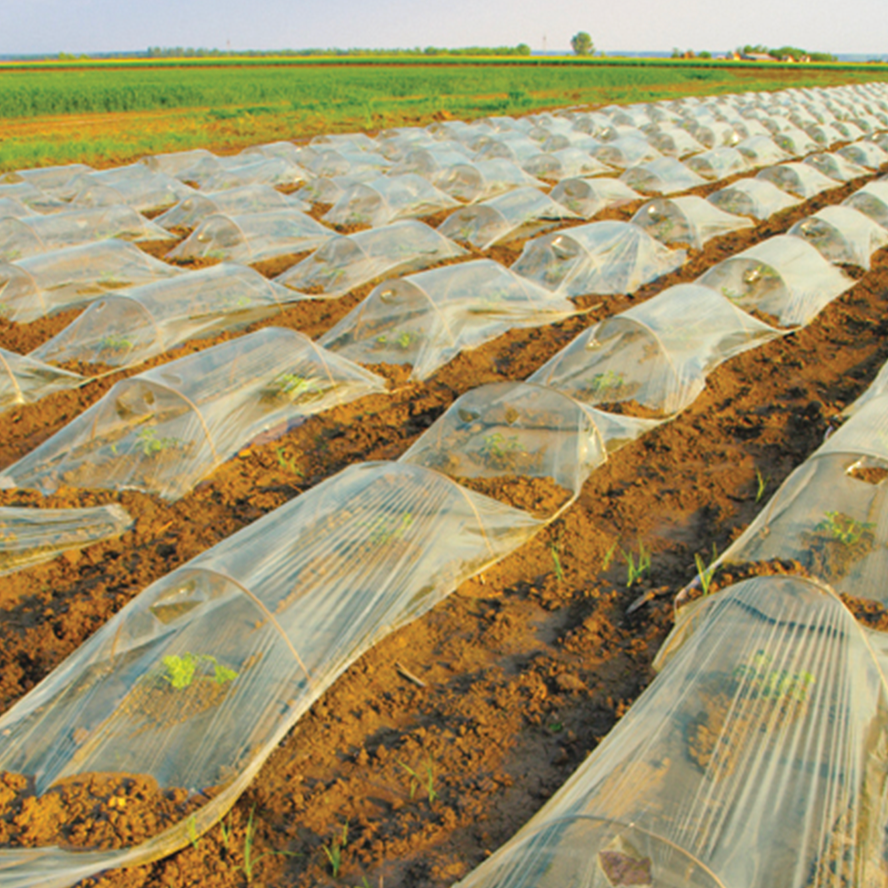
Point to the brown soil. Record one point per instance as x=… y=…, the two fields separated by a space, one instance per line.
x=541 y=497
x=524 y=668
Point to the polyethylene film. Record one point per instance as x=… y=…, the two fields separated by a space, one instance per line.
x=514 y=430
x=602 y=258
x=31 y=235
x=865 y=154
x=125 y=329
x=798 y=179
x=163 y=430
x=426 y=319
x=753 y=197
x=687 y=220
x=872 y=201
x=784 y=278
x=347 y=261
x=836 y=167
x=24 y=380
x=513 y=215
x=656 y=355
x=586 y=197
x=32 y=536
x=252 y=237
x=233 y=201
x=718 y=163
x=842 y=235
x=62 y=279
x=757 y=757
x=665 y=175
x=195 y=682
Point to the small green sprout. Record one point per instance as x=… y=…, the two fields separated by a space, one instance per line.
x=609 y=556
x=334 y=850
x=288 y=463
x=773 y=684
x=705 y=572
x=559 y=572
x=636 y=569
x=180 y=671
x=762 y=481
x=427 y=782
x=497 y=446
x=192 y=832
x=403 y=340
x=251 y=862
x=386 y=528
x=148 y=442
x=846 y=530
x=609 y=381
x=115 y=343
x=294 y=385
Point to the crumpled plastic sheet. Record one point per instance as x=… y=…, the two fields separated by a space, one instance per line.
x=31 y=536
x=129 y=327
x=426 y=319
x=135 y=186
x=61 y=279
x=165 y=429
x=24 y=380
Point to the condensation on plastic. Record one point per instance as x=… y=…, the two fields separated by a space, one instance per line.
x=33 y=536
x=598 y=258
x=565 y=163
x=718 y=163
x=687 y=220
x=286 y=604
x=510 y=216
x=426 y=319
x=127 y=328
x=387 y=199
x=252 y=237
x=842 y=235
x=665 y=175
x=234 y=201
x=836 y=167
x=830 y=514
x=799 y=179
x=165 y=429
x=586 y=197
x=757 y=757
x=784 y=277
x=872 y=201
x=31 y=235
x=753 y=197
x=513 y=429
x=62 y=279
x=347 y=261
x=865 y=154
x=24 y=380
x=657 y=354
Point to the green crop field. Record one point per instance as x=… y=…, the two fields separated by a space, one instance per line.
x=228 y=103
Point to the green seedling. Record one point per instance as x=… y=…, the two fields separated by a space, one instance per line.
x=180 y=671
x=558 y=570
x=497 y=446
x=606 y=382
x=251 y=862
x=404 y=339
x=288 y=463
x=846 y=530
x=427 y=782
x=773 y=684
x=112 y=342
x=192 y=832
x=609 y=557
x=762 y=481
x=386 y=528
x=226 y=831
x=294 y=385
x=334 y=850
x=148 y=442
x=636 y=569
x=705 y=572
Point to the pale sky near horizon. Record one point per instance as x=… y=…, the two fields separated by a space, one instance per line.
x=84 y=26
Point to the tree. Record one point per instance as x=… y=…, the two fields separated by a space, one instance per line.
x=581 y=43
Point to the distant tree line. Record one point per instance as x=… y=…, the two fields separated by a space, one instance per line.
x=787 y=52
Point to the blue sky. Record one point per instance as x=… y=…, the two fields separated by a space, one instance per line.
x=50 y=26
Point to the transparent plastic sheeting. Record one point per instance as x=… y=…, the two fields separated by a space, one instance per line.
x=842 y=235
x=426 y=319
x=191 y=211
x=665 y=175
x=872 y=201
x=165 y=429
x=252 y=237
x=31 y=235
x=830 y=514
x=135 y=186
x=250 y=170
x=687 y=220
x=124 y=329
x=271 y=616
x=657 y=354
x=799 y=179
x=565 y=163
x=24 y=380
x=586 y=197
x=756 y=758
x=483 y=179
x=515 y=214
x=601 y=258
x=385 y=200
x=718 y=163
x=753 y=197
x=33 y=198
x=784 y=278
x=51 y=282
x=32 y=536
x=836 y=167
x=865 y=154
x=347 y=261
x=47 y=178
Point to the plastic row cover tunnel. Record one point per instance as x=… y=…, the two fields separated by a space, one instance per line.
x=61 y=279
x=190 y=687
x=426 y=319
x=757 y=757
x=24 y=380
x=165 y=429
x=124 y=329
